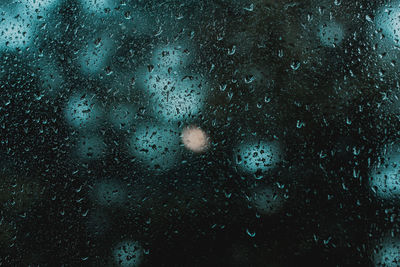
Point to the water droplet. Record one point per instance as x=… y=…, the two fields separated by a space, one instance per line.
x=300 y=124
x=85 y=213
x=337 y=2
x=249 y=79
x=250 y=233
x=295 y=65
x=250 y=8
x=327 y=241
x=127 y=15
x=232 y=50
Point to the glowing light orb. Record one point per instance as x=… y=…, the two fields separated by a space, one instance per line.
x=258 y=156
x=122 y=116
x=388 y=21
x=15 y=32
x=180 y=102
x=384 y=38
x=157 y=80
x=331 y=34
x=128 y=254
x=156 y=146
x=91 y=148
x=109 y=193
x=387 y=253
x=195 y=139
x=267 y=200
x=40 y=7
x=83 y=110
x=385 y=178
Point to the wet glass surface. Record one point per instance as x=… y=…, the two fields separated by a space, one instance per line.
x=199 y=133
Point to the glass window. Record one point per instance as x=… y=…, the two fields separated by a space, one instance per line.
x=199 y=133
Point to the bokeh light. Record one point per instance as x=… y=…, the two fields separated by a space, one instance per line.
x=195 y=139
x=83 y=110
x=253 y=156
x=157 y=80
x=183 y=101
x=387 y=253
x=388 y=21
x=385 y=175
x=331 y=33
x=16 y=32
x=128 y=254
x=40 y=7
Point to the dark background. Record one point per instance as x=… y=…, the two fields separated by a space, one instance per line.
x=183 y=216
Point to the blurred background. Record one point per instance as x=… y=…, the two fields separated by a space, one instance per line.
x=199 y=133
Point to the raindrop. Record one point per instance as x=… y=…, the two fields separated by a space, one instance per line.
x=250 y=233
x=295 y=65
x=232 y=50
